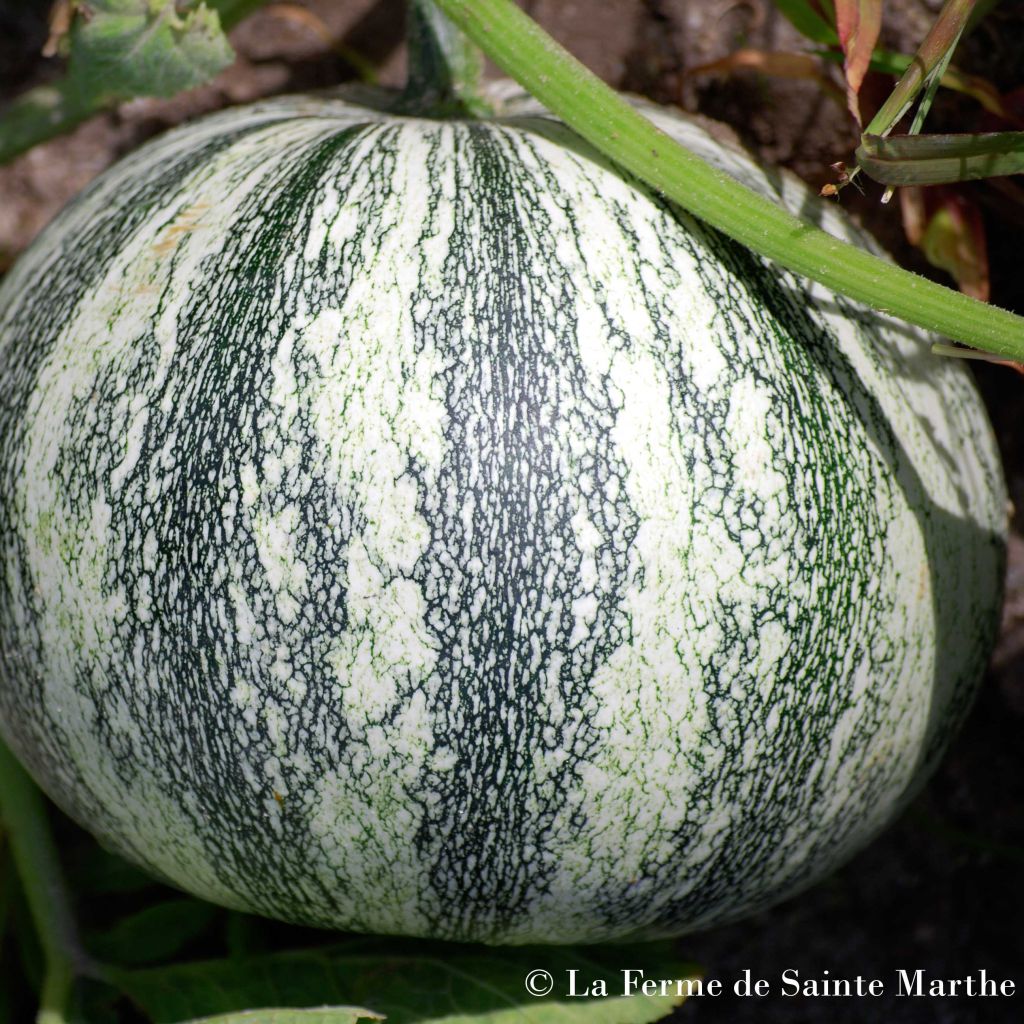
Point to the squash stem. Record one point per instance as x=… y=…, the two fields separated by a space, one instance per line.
x=35 y=859
x=445 y=68
x=521 y=48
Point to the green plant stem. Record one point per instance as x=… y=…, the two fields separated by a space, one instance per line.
x=521 y=48
x=35 y=859
x=445 y=68
x=40 y=114
x=53 y=1001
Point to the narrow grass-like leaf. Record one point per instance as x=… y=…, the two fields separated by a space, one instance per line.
x=6 y=882
x=155 y=933
x=244 y=935
x=9 y=980
x=937 y=46
x=941 y=159
x=931 y=87
x=806 y=18
x=95 y=1002
x=887 y=62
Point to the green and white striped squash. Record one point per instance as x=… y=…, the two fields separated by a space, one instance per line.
x=417 y=527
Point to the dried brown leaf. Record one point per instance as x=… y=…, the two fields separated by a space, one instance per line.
x=771 y=62
x=858 y=23
x=61 y=15
x=954 y=240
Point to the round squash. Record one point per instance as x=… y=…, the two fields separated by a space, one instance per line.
x=415 y=526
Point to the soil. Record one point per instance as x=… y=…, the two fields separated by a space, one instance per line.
x=940 y=890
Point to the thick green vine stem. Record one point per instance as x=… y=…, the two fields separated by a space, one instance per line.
x=445 y=68
x=521 y=48
x=35 y=858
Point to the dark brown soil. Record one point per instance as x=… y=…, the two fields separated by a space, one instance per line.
x=941 y=890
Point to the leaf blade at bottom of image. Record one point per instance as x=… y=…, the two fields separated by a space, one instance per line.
x=414 y=983
x=324 y=1015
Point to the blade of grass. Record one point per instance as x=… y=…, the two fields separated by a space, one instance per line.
x=522 y=49
x=888 y=63
x=931 y=87
x=807 y=20
x=955 y=352
x=938 y=44
x=941 y=159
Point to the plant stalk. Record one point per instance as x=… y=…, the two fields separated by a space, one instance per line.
x=42 y=879
x=938 y=45
x=445 y=68
x=606 y=120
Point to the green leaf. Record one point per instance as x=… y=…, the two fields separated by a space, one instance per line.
x=807 y=20
x=153 y=934
x=10 y=979
x=6 y=882
x=41 y=113
x=96 y=870
x=932 y=56
x=941 y=159
x=325 y=1015
x=416 y=983
x=886 y=62
x=7 y=951
x=109 y=63
x=94 y=1002
x=22 y=943
x=125 y=48
x=954 y=240
x=245 y=935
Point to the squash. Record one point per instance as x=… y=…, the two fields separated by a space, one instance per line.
x=415 y=526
